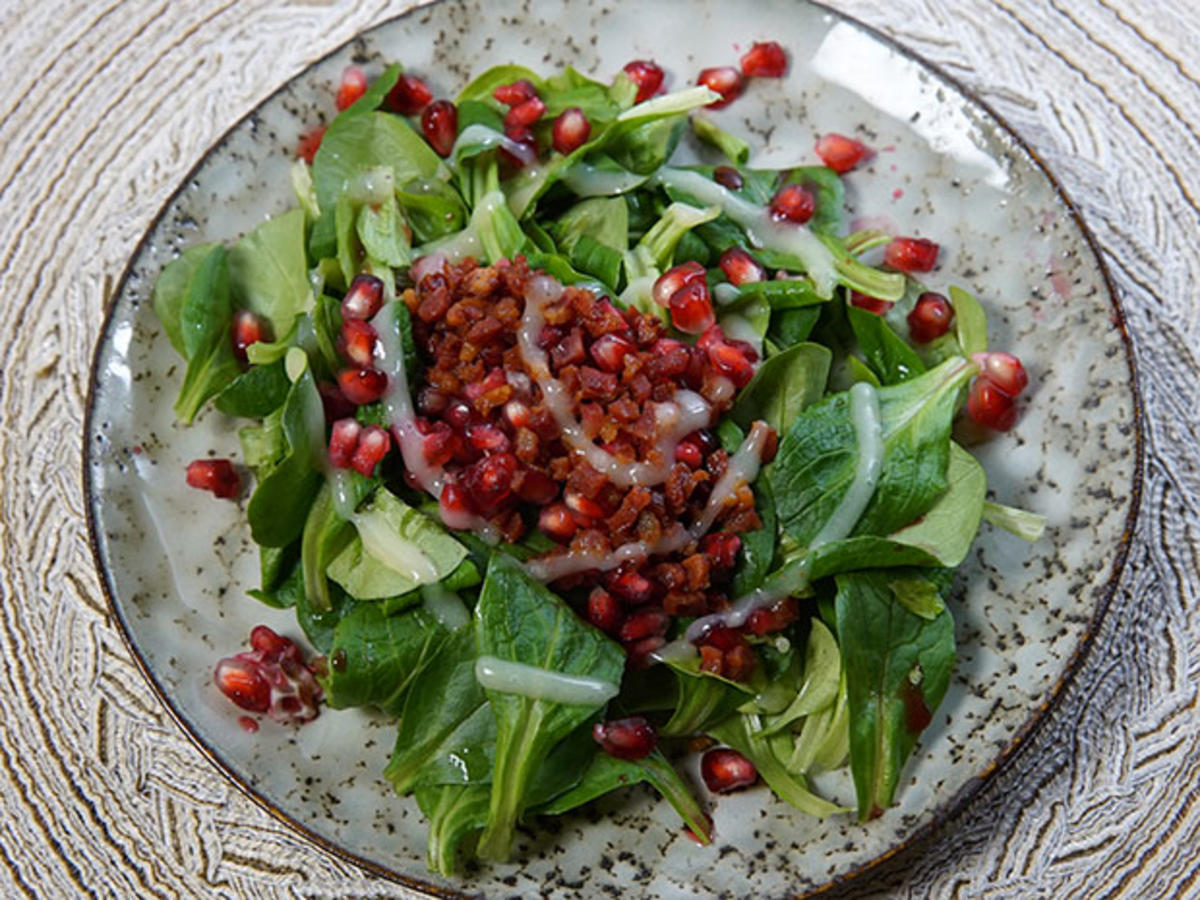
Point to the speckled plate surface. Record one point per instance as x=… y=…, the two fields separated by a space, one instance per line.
x=176 y=564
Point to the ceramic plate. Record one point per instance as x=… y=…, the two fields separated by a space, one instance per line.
x=176 y=564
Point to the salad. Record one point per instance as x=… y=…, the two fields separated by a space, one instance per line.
x=576 y=461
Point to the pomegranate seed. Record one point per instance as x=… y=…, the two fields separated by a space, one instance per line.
x=248 y=329
x=557 y=523
x=242 y=682
x=516 y=93
x=794 y=203
x=248 y=724
x=631 y=738
x=343 y=440
x=439 y=124
x=740 y=267
x=910 y=254
x=870 y=304
x=525 y=113
x=487 y=438
x=637 y=654
x=536 y=487
x=732 y=362
x=841 y=153
x=764 y=60
x=1006 y=372
x=455 y=507
x=676 y=278
x=776 y=617
x=603 y=610
x=571 y=130
x=459 y=415
x=647 y=623
x=353 y=86
x=517 y=413
x=689 y=453
x=357 y=342
x=582 y=505
x=262 y=638
x=333 y=403
x=364 y=298
x=722 y=548
x=725 y=770
x=691 y=308
x=528 y=144
x=409 y=96
x=215 y=475
x=362 y=386
x=930 y=318
x=725 y=80
x=631 y=587
x=373 y=445
x=609 y=352
x=488 y=483
x=440 y=446
x=990 y=406
x=647 y=75
x=697 y=839
x=728 y=177
x=310 y=143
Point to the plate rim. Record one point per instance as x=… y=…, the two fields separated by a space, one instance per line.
x=960 y=801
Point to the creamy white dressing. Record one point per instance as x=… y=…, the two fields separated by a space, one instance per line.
x=760 y=228
x=541 y=684
x=742 y=469
x=487 y=137
x=587 y=180
x=868 y=436
x=687 y=412
x=726 y=293
x=445 y=606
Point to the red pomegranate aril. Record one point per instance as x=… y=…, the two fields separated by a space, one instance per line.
x=265 y=640
x=353 y=86
x=310 y=143
x=217 y=476
x=740 y=267
x=536 y=487
x=357 y=342
x=870 y=304
x=248 y=329
x=571 y=130
x=990 y=406
x=631 y=738
x=632 y=587
x=764 y=60
x=793 y=202
x=373 y=445
x=527 y=152
x=410 y=95
x=691 y=308
x=1006 y=372
x=516 y=93
x=459 y=415
x=647 y=75
x=841 y=153
x=609 y=352
x=638 y=654
x=556 y=522
x=582 y=505
x=517 y=414
x=644 y=624
x=909 y=254
x=242 y=682
x=725 y=770
x=333 y=402
x=732 y=362
x=343 y=440
x=930 y=318
x=525 y=114
x=362 y=386
x=487 y=438
x=776 y=617
x=439 y=124
x=603 y=610
x=724 y=80
x=454 y=506
x=689 y=453
x=364 y=298
x=722 y=548
x=440 y=446
x=488 y=483
x=728 y=177
x=676 y=278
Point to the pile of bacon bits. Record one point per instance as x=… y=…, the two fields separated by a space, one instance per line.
x=272 y=678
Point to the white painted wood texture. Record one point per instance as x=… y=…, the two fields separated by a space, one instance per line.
x=103 y=108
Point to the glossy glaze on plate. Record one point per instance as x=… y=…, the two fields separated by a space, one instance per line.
x=177 y=563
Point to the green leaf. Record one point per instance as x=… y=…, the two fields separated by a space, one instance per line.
x=819 y=687
x=379 y=657
x=455 y=813
x=918 y=596
x=970 y=322
x=381 y=229
x=482 y=86
x=654 y=252
x=593 y=258
x=325 y=534
x=898 y=667
x=434 y=209
x=603 y=219
x=792 y=326
x=171 y=292
x=1024 y=524
x=757 y=555
x=700 y=701
x=256 y=392
x=889 y=355
x=374 y=569
x=204 y=322
x=824 y=740
x=280 y=504
x=268 y=271
x=520 y=621
x=787 y=293
x=784 y=386
x=732 y=146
